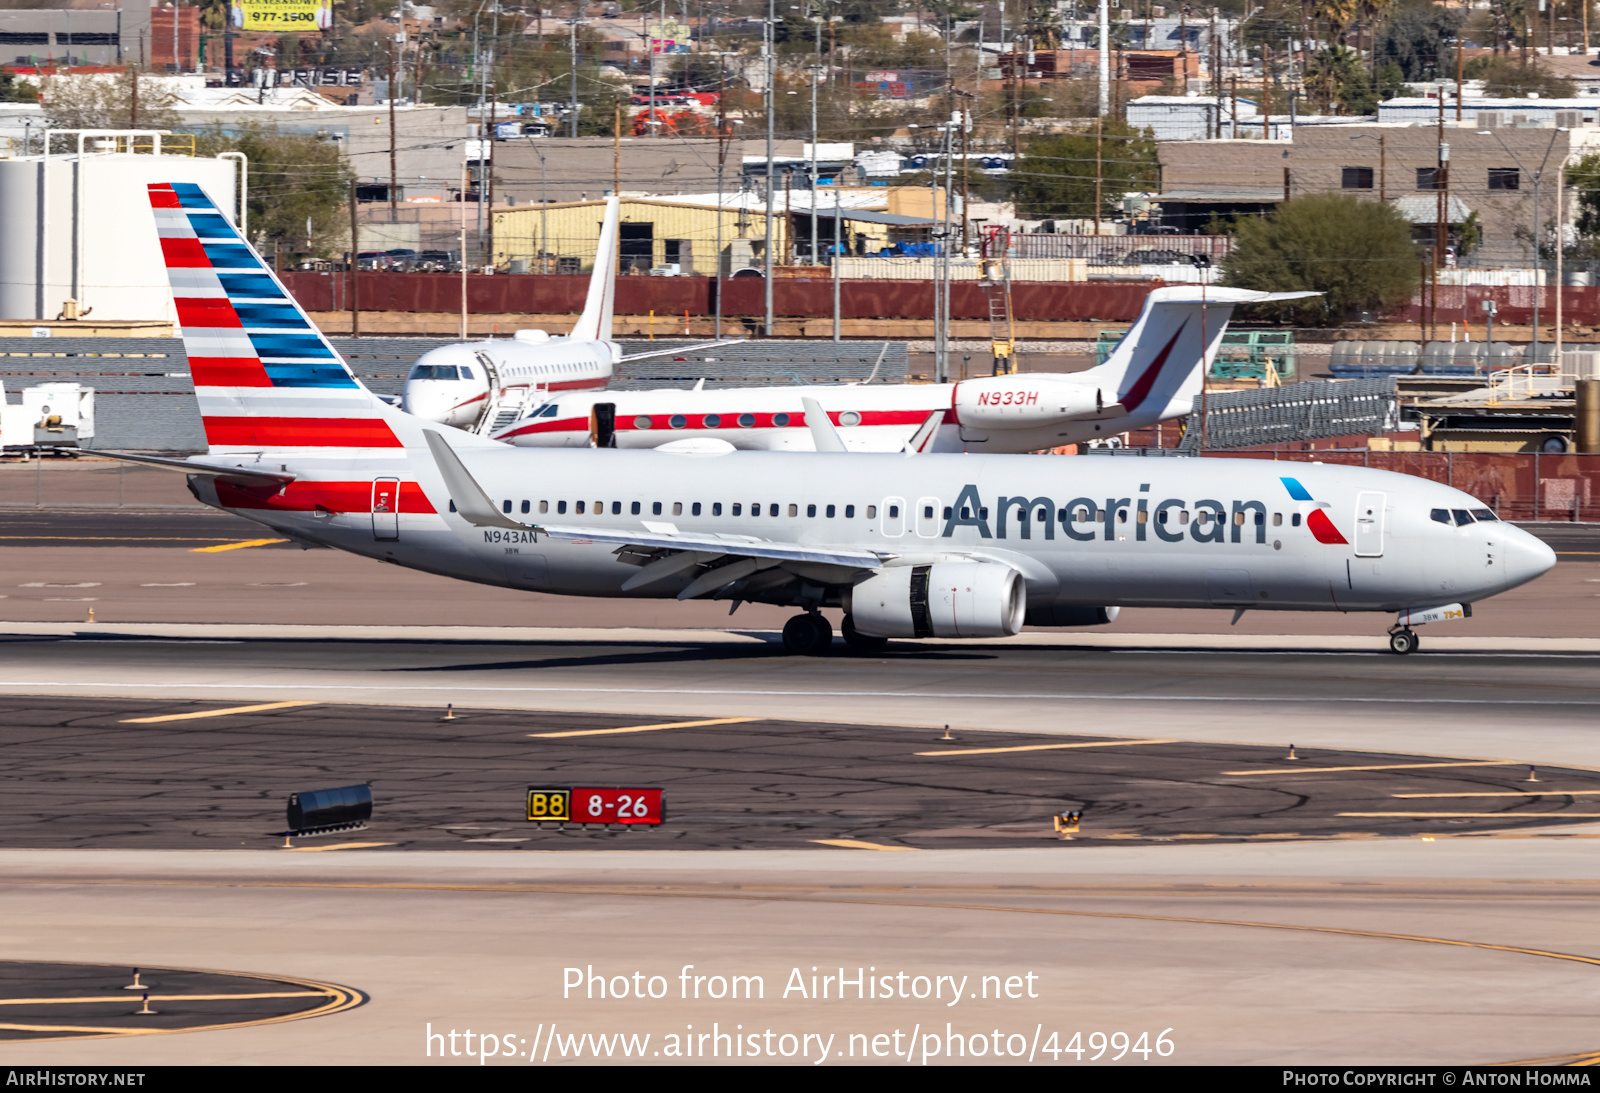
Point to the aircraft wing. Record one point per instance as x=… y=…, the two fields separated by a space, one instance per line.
x=743 y=546
x=680 y=349
x=750 y=553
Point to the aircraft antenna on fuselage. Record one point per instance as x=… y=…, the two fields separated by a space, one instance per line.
x=594 y=325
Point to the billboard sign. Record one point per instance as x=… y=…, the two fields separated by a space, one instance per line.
x=283 y=15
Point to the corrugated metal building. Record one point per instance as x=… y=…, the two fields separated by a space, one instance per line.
x=658 y=233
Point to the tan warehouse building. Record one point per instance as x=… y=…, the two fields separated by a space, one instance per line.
x=687 y=238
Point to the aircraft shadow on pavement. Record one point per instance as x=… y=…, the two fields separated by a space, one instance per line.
x=682 y=655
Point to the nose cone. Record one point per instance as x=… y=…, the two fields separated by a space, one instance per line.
x=1526 y=556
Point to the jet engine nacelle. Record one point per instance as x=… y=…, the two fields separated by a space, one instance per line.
x=1026 y=401
x=1071 y=615
x=945 y=600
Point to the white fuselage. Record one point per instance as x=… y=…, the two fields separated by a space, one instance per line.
x=1102 y=531
x=452 y=385
x=1003 y=414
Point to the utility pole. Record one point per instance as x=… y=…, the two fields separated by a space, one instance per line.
x=816 y=74
x=1099 y=166
x=355 y=267
x=769 y=76
x=722 y=160
x=572 y=113
x=1440 y=185
x=1105 y=57
x=394 y=175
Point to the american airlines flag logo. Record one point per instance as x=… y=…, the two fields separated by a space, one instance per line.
x=244 y=334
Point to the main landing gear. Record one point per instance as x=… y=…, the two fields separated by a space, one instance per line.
x=808 y=635
x=1403 y=641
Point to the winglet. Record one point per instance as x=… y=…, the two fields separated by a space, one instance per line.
x=824 y=437
x=470 y=500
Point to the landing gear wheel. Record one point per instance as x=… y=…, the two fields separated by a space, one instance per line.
x=807 y=635
x=1403 y=641
x=855 y=639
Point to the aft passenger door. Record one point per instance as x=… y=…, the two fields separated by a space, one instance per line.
x=1369 y=524
x=386 y=508
x=928 y=522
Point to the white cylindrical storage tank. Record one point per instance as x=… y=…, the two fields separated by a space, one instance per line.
x=80 y=227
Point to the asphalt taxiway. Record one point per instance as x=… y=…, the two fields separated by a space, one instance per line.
x=1257 y=909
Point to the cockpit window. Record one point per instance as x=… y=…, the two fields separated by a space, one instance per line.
x=1463 y=517
x=438 y=372
x=1440 y=516
x=466 y=373
x=1484 y=515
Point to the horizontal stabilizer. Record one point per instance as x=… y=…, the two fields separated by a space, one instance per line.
x=257 y=475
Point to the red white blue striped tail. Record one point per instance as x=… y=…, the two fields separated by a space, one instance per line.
x=265 y=377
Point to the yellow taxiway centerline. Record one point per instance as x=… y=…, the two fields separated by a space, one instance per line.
x=237 y=546
x=215 y=713
x=1512 y=793
x=858 y=844
x=646 y=728
x=1047 y=747
x=1384 y=766
x=334 y=846
x=158 y=998
x=1551 y=816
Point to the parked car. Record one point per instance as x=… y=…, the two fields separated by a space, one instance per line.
x=437 y=261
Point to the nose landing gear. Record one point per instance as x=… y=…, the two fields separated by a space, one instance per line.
x=808 y=635
x=1403 y=641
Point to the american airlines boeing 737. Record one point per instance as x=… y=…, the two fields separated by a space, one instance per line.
x=932 y=545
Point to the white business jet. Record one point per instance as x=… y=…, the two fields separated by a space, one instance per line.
x=1153 y=374
x=948 y=546
x=468 y=384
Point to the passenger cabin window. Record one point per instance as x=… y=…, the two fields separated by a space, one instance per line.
x=655 y=508
x=811 y=510
x=616 y=508
x=850 y=512
x=772 y=510
x=505 y=506
x=527 y=506
x=794 y=510
x=736 y=508
x=544 y=507
x=561 y=506
x=716 y=508
x=872 y=512
x=894 y=512
x=1277 y=519
x=578 y=508
x=677 y=508
x=828 y=511
x=695 y=509
x=634 y=508
x=1295 y=520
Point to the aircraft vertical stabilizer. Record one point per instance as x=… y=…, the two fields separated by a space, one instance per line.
x=594 y=325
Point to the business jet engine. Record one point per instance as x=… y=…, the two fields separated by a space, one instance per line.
x=945 y=600
x=1028 y=401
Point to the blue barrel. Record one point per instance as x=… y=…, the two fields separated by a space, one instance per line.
x=318 y=809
